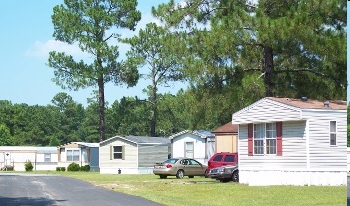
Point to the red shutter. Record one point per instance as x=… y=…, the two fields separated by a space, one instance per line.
x=250 y=139
x=279 y=138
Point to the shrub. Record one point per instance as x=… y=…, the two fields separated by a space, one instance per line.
x=28 y=166
x=85 y=168
x=73 y=167
x=63 y=169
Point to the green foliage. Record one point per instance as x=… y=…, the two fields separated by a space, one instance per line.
x=5 y=136
x=85 y=168
x=28 y=166
x=91 y=24
x=62 y=169
x=291 y=46
x=154 y=48
x=73 y=167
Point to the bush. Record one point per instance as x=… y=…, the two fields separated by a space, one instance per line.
x=28 y=166
x=85 y=168
x=62 y=169
x=73 y=167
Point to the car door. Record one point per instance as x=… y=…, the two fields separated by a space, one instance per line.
x=196 y=167
x=186 y=167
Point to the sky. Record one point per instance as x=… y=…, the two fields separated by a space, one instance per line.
x=348 y=55
x=26 y=40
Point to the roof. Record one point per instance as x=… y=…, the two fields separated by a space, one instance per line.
x=85 y=144
x=147 y=140
x=228 y=128
x=311 y=104
x=288 y=109
x=201 y=133
x=141 y=139
x=47 y=149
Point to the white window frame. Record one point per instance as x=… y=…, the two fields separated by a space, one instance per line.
x=116 y=152
x=74 y=156
x=189 y=150
x=264 y=139
x=47 y=157
x=333 y=133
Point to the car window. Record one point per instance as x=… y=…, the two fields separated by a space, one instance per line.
x=194 y=162
x=229 y=158
x=217 y=158
x=184 y=162
x=171 y=161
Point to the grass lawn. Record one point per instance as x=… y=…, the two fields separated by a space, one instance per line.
x=205 y=191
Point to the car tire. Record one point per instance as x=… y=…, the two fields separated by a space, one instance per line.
x=180 y=174
x=190 y=176
x=235 y=176
x=162 y=176
x=206 y=174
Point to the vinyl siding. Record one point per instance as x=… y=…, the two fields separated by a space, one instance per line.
x=130 y=152
x=178 y=146
x=151 y=154
x=322 y=154
x=293 y=155
x=272 y=112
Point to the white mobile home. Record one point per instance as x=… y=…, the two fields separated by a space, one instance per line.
x=197 y=144
x=132 y=154
x=82 y=153
x=42 y=158
x=283 y=141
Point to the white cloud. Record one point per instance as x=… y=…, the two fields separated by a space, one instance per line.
x=42 y=49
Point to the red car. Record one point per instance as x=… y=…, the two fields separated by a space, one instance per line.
x=221 y=159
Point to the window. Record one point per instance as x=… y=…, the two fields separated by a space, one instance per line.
x=189 y=149
x=117 y=152
x=229 y=158
x=333 y=133
x=73 y=155
x=270 y=138
x=47 y=157
x=217 y=158
x=265 y=138
x=259 y=134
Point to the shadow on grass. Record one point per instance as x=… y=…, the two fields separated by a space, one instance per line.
x=8 y=201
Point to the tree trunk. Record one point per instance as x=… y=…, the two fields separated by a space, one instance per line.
x=154 y=110
x=268 y=69
x=101 y=101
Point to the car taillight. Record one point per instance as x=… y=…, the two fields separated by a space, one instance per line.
x=168 y=166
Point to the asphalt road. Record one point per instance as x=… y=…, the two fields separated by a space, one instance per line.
x=50 y=190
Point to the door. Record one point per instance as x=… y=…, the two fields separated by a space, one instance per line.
x=196 y=167
x=7 y=158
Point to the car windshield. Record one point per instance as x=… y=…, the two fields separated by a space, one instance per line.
x=171 y=161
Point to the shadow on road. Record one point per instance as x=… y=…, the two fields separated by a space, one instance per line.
x=6 y=201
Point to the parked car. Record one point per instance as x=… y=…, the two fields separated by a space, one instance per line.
x=179 y=167
x=221 y=159
x=225 y=173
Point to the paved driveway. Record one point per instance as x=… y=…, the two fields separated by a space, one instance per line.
x=49 y=190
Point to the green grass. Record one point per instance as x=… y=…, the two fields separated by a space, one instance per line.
x=205 y=191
